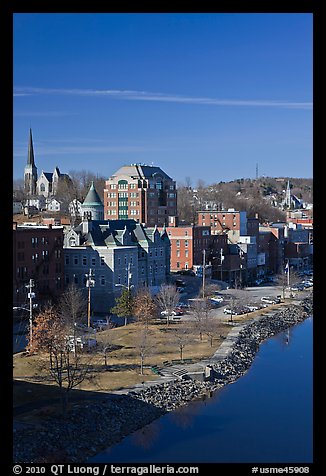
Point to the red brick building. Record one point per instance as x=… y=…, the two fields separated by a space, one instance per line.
x=230 y=221
x=142 y=192
x=187 y=245
x=37 y=255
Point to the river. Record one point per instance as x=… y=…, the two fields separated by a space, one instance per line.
x=266 y=416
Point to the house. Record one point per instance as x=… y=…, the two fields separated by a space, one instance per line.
x=53 y=205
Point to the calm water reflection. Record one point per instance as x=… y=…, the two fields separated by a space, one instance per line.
x=266 y=416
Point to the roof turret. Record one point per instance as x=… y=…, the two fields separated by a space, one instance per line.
x=92 y=198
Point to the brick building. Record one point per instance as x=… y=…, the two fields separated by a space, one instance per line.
x=230 y=221
x=143 y=193
x=37 y=255
x=187 y=245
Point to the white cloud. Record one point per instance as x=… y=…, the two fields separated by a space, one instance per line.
x=162 y=97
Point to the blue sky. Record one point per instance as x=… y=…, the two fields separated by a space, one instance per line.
x=204 y=96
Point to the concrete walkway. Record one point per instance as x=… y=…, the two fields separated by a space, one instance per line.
x=170 y=373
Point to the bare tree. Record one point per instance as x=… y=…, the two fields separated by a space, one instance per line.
x=167 y=299
x=107 y=346
x=144 y=344
x=145 y=308
x=212 y=328
x=67 y=368
x=183 y=337
x=72 y=310
x=200 y=308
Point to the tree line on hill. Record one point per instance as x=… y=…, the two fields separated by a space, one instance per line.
x=262 y=195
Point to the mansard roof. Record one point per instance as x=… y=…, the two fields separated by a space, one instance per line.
x=141 y=171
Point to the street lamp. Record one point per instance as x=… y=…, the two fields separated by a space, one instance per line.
x=90 y=283
x=31 y=296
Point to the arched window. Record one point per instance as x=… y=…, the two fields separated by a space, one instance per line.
x=42 y=187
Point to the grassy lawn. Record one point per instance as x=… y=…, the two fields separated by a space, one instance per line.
x=123 y=361
x=31 y=375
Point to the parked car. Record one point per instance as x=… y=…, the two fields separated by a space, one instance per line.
x=179 y=311
x=251 y=308
x=167 y=313
x=100 y=324
x=307 y=284
x=270 y=300
x=237 y=311
x=217 y=299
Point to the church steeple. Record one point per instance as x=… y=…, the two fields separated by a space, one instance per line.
x=30 y=173
x=30 y=156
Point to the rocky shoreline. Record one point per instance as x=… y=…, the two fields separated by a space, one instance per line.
x=95 y=425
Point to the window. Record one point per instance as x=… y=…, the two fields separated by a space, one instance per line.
x=186 y=232
x=186 y=243
x=178 y=243
x=75 y=260
x=93 y=261
x=66 y=279
x=113 y=186
x=72 y=241
x=102 y=280
x=84 y=261
x=34 y=242
x=42 y=187
x=186 y=253
x=67 y=260
x=75 y=278
x=45 y=255
x=178 y=253
x=178 y=264
x=132 y=185
x=122 y=184
x=102 y=260
x=133 y=194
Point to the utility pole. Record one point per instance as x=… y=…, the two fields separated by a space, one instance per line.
x=89 y=284
x=31 y=296
x=241 y=256
x=222 y=259
x=204 y=271
x=288 y=272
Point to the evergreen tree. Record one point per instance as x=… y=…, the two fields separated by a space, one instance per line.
x=124 y=305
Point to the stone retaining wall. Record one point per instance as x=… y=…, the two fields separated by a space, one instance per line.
x=94 y=426
x=171 y=395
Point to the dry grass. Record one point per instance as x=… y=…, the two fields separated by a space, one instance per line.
x=123 y=362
